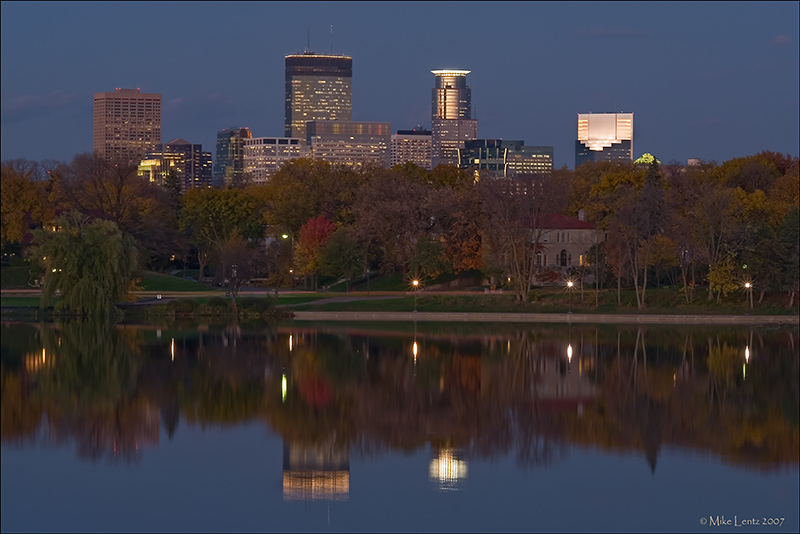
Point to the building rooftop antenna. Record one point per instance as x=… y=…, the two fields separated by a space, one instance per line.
x=331 y=38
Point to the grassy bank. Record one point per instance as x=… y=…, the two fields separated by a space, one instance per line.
x=659 y=301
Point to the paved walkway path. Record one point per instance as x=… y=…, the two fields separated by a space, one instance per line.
x=544 y=317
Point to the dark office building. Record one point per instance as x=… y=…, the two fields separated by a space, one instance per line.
x=192 y=165
x=506 y=158
x=229 y=161
x=619 y=152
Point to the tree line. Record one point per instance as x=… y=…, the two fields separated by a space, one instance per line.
x=713 y=225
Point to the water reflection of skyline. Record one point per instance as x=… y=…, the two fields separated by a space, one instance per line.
x=468 y=396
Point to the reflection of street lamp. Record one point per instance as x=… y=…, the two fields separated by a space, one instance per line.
x=415 y=283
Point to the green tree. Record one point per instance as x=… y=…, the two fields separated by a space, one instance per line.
x=342 y=255
x=210 y=217
x=113 y=190
x=241 y=261
x=514 y=213
x=90 y=262
x=789 y=251
x=721 y=277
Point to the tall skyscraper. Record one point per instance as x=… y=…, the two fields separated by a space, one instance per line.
x=451 y=116
x=604 y=137
x=318 y=87
x=127 y=124
x=229 y=161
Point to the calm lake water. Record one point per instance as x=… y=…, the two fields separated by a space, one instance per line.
x=399 y=427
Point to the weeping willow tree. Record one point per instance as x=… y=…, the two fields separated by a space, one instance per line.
x=91 y=264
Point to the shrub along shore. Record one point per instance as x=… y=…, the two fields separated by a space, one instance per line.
x=551 y=304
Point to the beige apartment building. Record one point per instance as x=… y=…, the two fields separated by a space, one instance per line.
x=127 y=124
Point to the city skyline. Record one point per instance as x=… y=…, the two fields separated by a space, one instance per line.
x=700 y=85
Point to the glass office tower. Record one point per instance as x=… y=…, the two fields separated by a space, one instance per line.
x=604 y=137
x=506 y=158
x=318 y=87
x=451 y=116
x=192 y=165
x=229 y=161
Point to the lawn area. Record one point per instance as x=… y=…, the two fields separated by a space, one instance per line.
x=153 y=281
x=556 y=300
x=15 y=277
x=19 y=301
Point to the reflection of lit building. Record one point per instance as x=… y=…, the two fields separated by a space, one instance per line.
x=316 y=472
x=36 y=361
x=448 y=468
x=604 y=137
x=563 y=381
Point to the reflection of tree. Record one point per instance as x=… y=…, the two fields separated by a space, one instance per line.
x=94 y=366
x=89 y=391
x=488 y=395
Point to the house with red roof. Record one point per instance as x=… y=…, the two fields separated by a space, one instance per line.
x=565 y=242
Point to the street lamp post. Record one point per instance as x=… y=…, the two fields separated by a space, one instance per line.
x=749 y=288
x=570 y=283
x=291 y=260
x=416 y=285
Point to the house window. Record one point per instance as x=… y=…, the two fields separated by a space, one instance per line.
x=563 y=261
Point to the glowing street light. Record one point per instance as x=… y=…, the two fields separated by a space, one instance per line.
x=415 y=283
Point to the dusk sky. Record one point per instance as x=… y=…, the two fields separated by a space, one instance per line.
x=712 y=80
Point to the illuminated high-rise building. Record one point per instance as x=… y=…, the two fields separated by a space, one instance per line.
x=263 y=156
x=350 y=143
x=412 y=146
x=229 y=161
x=190 y=164
x=451 y=116
x=318 y=87
x=506 y=158
x=604 y=137
x=127 y=124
